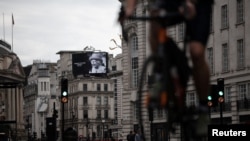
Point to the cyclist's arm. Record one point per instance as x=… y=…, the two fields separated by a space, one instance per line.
x=188 y=10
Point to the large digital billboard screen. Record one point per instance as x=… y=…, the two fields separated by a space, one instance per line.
x=90 y=63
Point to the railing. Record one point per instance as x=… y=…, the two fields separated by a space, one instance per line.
x=243 y=104
x=226 y=107
x=103 y=106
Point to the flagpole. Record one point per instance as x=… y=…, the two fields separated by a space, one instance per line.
x=12 y=31
x=3 y=28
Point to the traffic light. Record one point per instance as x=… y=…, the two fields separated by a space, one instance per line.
x=212 y=98
x=55 y=114
x=220 y=84
x=209 y=99
x=64 y=90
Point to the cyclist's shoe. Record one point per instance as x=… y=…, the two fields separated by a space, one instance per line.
x=201 y=127
x=174 y=117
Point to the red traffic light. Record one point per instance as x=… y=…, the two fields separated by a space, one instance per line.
x=210 y=104
x=221 y=99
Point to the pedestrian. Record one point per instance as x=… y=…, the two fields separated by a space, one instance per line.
x=137 y=136
x=130 y=136
x=112 y=138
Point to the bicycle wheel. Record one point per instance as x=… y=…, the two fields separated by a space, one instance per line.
x=140 y=86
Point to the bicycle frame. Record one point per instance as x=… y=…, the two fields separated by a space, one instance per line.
x=170 y=95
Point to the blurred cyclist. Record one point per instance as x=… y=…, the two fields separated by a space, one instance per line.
x=197 y=14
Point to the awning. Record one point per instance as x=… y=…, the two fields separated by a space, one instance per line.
x=43 y=108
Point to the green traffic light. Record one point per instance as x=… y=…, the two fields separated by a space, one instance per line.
x=64 y=93
x=209 y=97
x=220 y=93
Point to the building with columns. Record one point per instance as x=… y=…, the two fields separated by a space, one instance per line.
x=12 y=79
x=227 y=56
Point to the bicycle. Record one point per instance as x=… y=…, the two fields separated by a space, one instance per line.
x=171 y=74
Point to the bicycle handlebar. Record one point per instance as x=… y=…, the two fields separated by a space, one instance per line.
x=168 y=16
x=167 y=19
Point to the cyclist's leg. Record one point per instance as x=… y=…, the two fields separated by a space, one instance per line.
x=197 y=32
x=201 y=78
x=200 y=69
x=197 y=35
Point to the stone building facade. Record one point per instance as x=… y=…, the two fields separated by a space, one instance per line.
x=92 y=106
x=39 y=97
x=12 y=79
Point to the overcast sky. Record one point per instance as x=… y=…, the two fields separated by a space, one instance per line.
x=44 y=27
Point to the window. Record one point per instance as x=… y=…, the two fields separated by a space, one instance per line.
x=135 y=72
x=160 y=113
x=181 y=32
x=98 y=87
x=227 y=95
x=243 y=95
x=85 y=87
x=240 y=54
x=99 y=130
x=106 y=114
x=43 y=72
x=113 y=68
x=240 y=11
x=106 y=100
x=134 y=43
x=41 y=86
x=116 y=113
x=85 y=100
x=45 y=86
x=242 y=91
x=191 y=99
x=98 y=100
x=225 y=58
x=85 y=114
x=105 y=87
x=210 y=60
x=224 y=17
x=99 y=114
x=134 y=60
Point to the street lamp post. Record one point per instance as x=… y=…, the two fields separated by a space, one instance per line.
x=103 y=121
x=87 y=129
x=28 y=126
x=73 y=117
